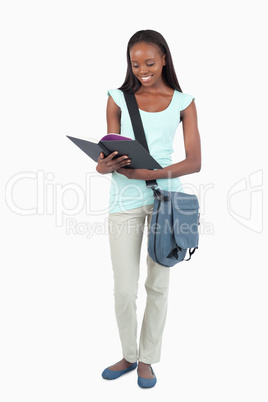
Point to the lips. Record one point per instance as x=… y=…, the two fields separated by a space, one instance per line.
x=146 y=78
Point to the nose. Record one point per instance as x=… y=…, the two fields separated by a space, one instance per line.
x=143 y=69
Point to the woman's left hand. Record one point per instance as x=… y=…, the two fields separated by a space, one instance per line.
x=138 y=174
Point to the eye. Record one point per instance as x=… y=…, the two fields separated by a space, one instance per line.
x=134 y=66
x=150 y=65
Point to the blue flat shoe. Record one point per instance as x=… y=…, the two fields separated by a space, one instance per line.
x=147 y=382
x=113 y=374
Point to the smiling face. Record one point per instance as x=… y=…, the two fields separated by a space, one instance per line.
x=147 y=63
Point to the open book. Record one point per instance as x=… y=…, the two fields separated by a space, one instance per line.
x=140 y=158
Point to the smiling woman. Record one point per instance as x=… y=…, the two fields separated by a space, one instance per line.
x=152 y=79
x=155 y=39
x=147 y=62
x=147 y=65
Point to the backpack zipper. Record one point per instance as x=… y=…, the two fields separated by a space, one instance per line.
x=156 y=222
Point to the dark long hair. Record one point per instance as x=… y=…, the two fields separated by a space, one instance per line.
x=131 y=83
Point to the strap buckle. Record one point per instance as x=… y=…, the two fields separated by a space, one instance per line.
x=158 y=195
x=151 y=184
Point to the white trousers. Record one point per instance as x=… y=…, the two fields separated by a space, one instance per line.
x=125 y=235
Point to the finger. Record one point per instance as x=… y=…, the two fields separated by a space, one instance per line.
x=101 y=156
x=122 y=158
x=113 y=163
x=125 y=162
x=112 y=155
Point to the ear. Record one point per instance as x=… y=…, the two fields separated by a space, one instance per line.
x=164 y=60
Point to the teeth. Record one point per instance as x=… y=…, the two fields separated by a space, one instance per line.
x=146 y=78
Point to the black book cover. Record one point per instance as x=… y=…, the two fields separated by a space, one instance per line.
x=140 y=158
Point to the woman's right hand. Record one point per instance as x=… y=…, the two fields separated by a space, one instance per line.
x=108 y=164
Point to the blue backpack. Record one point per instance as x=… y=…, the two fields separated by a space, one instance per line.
x=175 y=217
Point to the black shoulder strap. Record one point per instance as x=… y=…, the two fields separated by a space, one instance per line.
x=137 y=127
x=136 y=119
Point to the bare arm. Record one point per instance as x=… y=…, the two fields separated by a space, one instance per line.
x=113 y=116
x=192 y=161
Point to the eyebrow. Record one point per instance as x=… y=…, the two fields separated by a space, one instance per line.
x=134 y=61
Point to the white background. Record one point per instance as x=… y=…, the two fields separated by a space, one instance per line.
x=58 y=331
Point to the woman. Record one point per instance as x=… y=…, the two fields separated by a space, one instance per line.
x=152 y=78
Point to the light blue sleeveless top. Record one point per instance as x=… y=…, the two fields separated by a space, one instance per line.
x=160 y=129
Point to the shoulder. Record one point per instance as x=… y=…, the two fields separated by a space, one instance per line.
x=117 y=96
x=183 y=100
